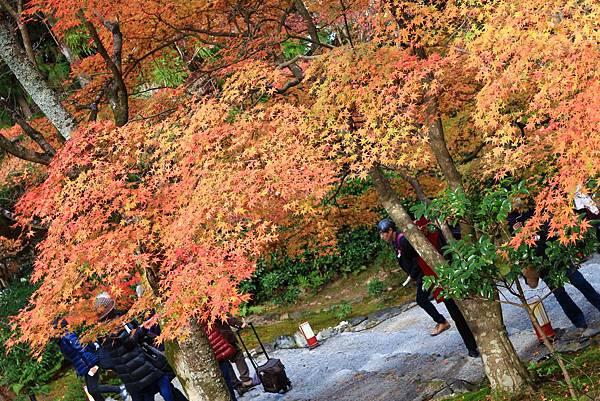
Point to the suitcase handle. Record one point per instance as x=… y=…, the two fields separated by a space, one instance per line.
x=254 y=364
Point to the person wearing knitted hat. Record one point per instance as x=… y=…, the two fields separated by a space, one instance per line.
x=123 y=353
x=104 y=305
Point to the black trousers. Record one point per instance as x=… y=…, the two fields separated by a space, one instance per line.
x=567 y=304
x=96 y=389
x=425 y=303
x=461 y=324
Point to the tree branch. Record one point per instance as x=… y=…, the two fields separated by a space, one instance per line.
x=312 y=29
x=119 y=92
x=34 y=134
x=23 y=153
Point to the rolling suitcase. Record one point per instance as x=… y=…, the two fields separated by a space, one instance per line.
x=271 y=374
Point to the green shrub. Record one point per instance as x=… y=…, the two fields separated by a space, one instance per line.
x=282 y=279
x=19 y=371
x=375 y=287
x=341 y=311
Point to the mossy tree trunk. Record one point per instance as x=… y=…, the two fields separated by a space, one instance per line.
x=32 y=81
x=196 y=367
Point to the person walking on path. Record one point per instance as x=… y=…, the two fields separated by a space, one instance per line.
x=569 y=307
x=244 y=383
x=416 y=268
x=85 y=362
x=223 y=351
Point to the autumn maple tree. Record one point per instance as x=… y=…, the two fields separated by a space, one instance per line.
x=283 y=101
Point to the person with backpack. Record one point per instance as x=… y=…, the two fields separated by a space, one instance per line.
x=85 y=362
x=416 y=268
x=123 y=352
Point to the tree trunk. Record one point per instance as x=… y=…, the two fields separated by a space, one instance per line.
x=23 y=153
x=194 y=362
x=34 y=134
x=502 y=365
x=118 y=96
x=315 y=46
x=414 y=182
x=66 y=51
x=503 y=368
x=16 y=14
x=30 y=78
x=392 y=204
x=25 y=34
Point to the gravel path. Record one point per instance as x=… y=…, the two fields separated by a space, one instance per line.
x=397 y=360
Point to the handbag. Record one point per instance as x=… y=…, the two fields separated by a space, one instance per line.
x=156 y=357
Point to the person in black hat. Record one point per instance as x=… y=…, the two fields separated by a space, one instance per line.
x=414 y=266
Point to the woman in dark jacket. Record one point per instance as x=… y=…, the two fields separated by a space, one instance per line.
x=122 y=352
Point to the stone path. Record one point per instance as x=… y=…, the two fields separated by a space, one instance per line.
x=396 y=360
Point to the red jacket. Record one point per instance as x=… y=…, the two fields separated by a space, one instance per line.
x=434 y=238
x=221 y=347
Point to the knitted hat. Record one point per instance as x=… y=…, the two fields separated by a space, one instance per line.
x=103 y=304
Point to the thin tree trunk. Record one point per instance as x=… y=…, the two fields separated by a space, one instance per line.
x=414 y=182
x=119 y=100
x=23 y=153
x=67 y=52
x=392 y=204
x=315 y=46
x=24 y=106
x=34 y=134
x=502 y=364
x=16 y=14
x=194 y=362
x=25 y=34
x=545 y=339
x=32 y=81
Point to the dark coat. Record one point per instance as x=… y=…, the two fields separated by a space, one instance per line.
x=82 y=358
x=123 y=354
x=412 y=263
x=407 y=257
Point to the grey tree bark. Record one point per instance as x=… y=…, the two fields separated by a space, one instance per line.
x=16 y=14
x=194 y=362
x=32 y=81
x=503 y=368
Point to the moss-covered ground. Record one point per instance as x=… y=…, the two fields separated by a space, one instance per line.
x=342 y=299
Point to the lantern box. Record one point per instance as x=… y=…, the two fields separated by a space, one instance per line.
x=542 y=318
x=309 y=335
